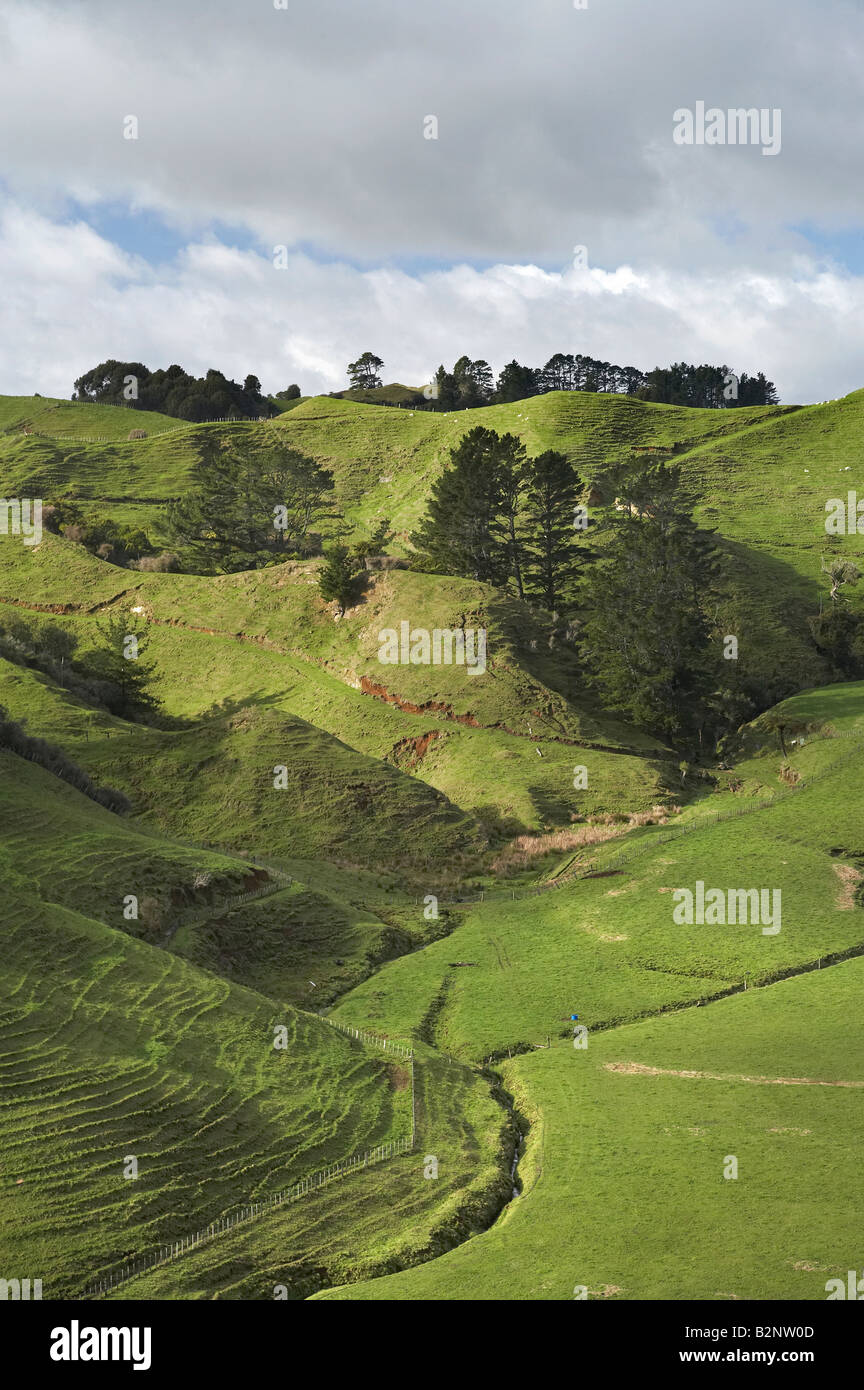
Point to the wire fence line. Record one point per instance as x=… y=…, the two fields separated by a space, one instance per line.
x=166 y=1254
x=203 y=914
x=624 y=857
x=374 y=1039
x=149 y=434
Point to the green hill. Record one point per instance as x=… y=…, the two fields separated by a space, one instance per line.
x=267 y=640
x=384 y=459
x=629 y=1136
x=112 y=1049
x=402 y=786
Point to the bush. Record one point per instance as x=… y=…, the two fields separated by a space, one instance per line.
x=166 y=563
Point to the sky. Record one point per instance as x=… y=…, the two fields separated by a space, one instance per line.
x=282 y=207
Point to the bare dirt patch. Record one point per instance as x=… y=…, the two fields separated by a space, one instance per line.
x=640 y=1069
x=600 y=935
x=849 y=880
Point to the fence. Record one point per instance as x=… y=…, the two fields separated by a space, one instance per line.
x=203 y=914
x=376 y=1039
x=611 y=865
x=166 y=1253
x=151 y=434
x=313 y=1183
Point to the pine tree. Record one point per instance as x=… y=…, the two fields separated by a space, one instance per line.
x=457 y=535
x=505 y=526
x=645 y=637
x=120 y=662
x=554 y=542
x=337 y=581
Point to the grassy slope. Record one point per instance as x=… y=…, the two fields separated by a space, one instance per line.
x=214 y=782
x=390 y=1217
x=623 y=1186
x=384 y=459
x=83 y=857
x=47 y=416
x=109 y=1047
x=657 y=1144
x=266 y=639
x=760 y=475
x=606 y=948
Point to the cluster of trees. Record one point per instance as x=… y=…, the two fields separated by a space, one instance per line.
x=471 y=383
x=709 y=387
x=104 y=675
x=637 y=588
x=501 y=517
x=174 y=392
x=248 y=511
x=645 y=592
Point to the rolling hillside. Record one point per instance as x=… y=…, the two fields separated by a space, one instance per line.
x=628 y=1138
x=400 y=786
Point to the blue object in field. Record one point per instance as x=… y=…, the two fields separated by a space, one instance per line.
x=573 y=1018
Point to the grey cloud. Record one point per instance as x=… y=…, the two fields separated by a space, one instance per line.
x=555 y=124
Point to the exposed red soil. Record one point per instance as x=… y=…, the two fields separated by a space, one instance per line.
x=410 y=752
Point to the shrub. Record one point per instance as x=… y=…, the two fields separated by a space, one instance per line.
x=166 y=563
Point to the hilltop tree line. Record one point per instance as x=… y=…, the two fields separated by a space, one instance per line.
x=472 y=384
x=469 y=385
x=174 y=392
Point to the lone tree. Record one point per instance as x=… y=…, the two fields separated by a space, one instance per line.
x=119 y=664
x=364 y=374
x=838 y=631
x=840 y=572
x=337 y=581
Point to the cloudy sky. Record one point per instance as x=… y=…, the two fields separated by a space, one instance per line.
x=304 y=127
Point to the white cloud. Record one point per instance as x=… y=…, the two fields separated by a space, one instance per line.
x=71 y=300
